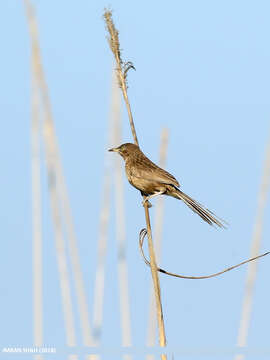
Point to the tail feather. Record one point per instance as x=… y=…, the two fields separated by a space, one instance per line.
x=203 y=212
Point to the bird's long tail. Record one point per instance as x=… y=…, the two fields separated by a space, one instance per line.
x=203 y=212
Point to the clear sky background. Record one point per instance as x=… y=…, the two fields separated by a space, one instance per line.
x=202 y=71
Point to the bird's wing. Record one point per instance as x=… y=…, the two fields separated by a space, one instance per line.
x=147 y=170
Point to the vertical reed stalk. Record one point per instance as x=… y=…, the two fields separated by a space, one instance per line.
x=256 y=243
x=36 y=216
x=151 y=335
x=102 y=244
x=120 y=224
x=73 y=251
x=101 y=257
x=59 y=238
x=121 y=70
x=53 y=178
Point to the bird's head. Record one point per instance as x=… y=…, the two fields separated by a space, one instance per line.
x=125 y=149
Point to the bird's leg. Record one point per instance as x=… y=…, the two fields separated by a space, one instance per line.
x=151 y=196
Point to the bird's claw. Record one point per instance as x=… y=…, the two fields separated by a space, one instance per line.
x=145 y=201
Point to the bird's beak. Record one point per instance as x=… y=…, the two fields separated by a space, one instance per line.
x=114 y=149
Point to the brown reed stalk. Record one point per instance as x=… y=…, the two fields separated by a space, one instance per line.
x=151 y=333
x=122 y=70
x=255 y=246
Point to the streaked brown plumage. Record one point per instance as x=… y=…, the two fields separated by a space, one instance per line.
x=151 y=180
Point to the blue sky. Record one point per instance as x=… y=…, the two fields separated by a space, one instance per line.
x=202 y=71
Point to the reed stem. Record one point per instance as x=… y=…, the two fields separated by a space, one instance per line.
x=121 y=71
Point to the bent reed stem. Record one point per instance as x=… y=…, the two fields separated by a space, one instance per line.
x=121 y=71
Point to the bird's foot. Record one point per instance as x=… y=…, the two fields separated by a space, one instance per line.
x=145 y=201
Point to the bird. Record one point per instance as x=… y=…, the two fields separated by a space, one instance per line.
x=151 y=181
